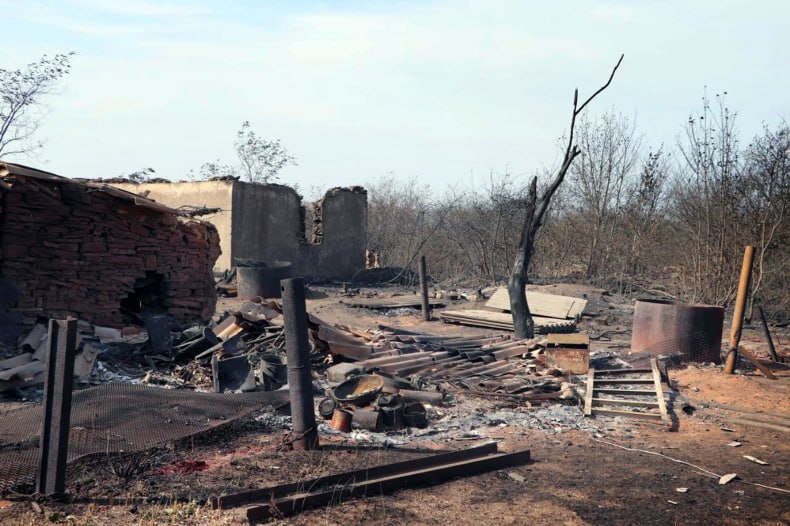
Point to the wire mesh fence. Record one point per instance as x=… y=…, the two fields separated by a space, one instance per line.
x=696 y=347
x=121 y=418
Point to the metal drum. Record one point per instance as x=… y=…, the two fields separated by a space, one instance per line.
x=666 y=327
x=261 y=278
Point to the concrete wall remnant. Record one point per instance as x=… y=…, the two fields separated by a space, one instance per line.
x=100 y=254
x=322 y=240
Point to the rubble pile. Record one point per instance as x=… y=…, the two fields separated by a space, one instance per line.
x=486 y=365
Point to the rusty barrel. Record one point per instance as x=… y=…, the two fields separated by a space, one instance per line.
x=667 y=327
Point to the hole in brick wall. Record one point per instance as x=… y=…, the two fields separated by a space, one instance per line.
x=312 y=223
x=148 y=297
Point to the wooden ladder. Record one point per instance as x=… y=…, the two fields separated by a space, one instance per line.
x=627 y=389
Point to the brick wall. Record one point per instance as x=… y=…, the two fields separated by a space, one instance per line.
x=74 y=250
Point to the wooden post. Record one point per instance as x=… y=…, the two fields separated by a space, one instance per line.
x=54 y=443
x=426 y=306
x=740 y=307
x=768 y=338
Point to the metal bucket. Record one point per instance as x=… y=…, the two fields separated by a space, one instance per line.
x=261 y=278
x=665 y=327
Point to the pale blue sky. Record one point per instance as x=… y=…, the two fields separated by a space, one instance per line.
x=442 y=90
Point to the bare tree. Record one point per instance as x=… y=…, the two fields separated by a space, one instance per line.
x=21 y=91
x=260 y=160
x=523 y=324
x=766 y=189
x=599 y=183
x=708 y=203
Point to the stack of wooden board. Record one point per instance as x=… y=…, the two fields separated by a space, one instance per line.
x=550 y=312
x=504 y=320
x=394 y=302
x=541 y=304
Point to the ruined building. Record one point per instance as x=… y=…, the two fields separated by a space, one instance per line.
x=322 y=240
x=98 y=253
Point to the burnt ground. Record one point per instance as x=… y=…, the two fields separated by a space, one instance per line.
x=578 y=474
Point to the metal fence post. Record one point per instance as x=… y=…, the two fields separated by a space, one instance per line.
x=426 y=306
x=54 y=444
x=297 y=348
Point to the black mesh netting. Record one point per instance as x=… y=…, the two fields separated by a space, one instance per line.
x=117 y=417
x=696 y=347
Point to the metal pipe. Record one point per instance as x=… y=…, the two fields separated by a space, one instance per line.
x=426 y=306
x=297 y=348
x=433 y=398
x=740 y=306
x=768 y=338
x=54 y=443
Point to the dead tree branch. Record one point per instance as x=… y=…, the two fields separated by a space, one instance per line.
x=535 y=212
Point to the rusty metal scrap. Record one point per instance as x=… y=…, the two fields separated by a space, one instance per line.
x=291 y=498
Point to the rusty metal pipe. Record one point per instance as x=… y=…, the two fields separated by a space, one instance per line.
x=433 y=398
x=740 y=307
x=297 y=347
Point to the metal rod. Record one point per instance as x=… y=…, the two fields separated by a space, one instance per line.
x=771 y=348
x=297 y=348
x=54 y=443
x=426 y=307
x=373 y=486
x=342 y=479
x=740 y=305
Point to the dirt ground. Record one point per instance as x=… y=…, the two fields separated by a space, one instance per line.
x=619 y=471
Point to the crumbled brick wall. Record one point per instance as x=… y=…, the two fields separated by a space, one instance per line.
x=72 y=250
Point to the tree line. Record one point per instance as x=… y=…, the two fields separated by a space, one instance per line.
x=667 y=221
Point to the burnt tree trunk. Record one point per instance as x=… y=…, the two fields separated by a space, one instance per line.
x=535 y=212
x=523 y=325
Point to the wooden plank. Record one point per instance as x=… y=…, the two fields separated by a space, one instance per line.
x=635 y=392
x=764 y=425
x=619 y=401
x=371 y=486
x=662 y=406
x=568 y=340
x=623 y=371
x=541 y=304
x=623 y=380
x=588 y=396
x=630 y=414
x=753 y=359
x=746 y=410
x=390 y=303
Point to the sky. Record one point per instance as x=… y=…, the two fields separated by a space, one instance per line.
x=443 y=92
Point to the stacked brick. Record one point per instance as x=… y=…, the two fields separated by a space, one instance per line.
x=75 y=250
